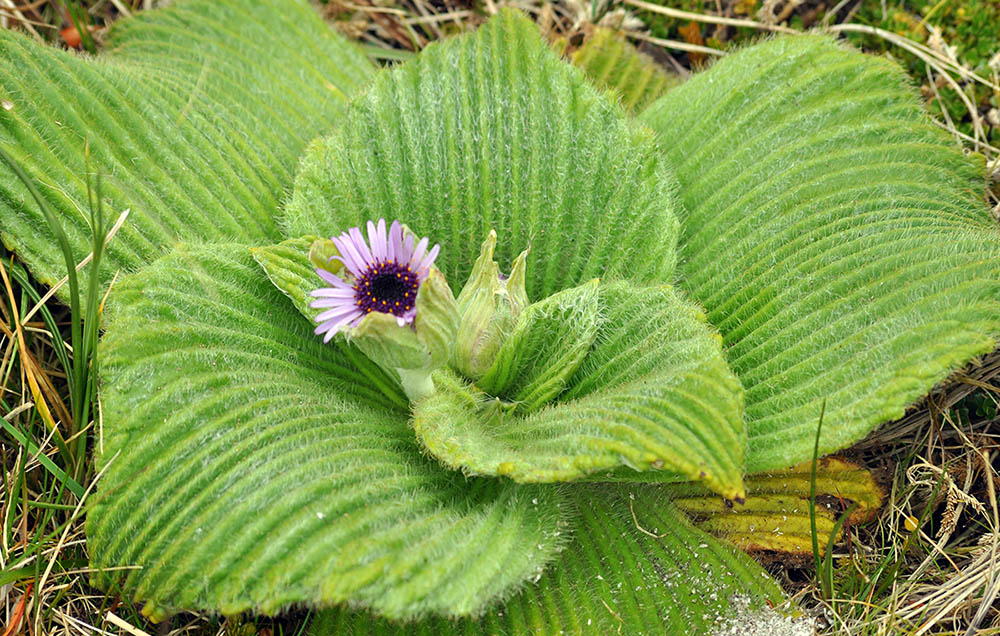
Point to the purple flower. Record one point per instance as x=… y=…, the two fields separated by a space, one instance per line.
x=383 y=278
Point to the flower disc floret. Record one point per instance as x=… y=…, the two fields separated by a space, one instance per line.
x=387 y=287
x=381 y=274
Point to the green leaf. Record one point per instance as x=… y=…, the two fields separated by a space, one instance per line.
x=653 y=393
x=836 y=237
x=611 y=62
x=775 y=518
x=250 y=467
x=193 y=116
x=288 y=267
x=546 y=346
x=636 y=566
x=493 y=131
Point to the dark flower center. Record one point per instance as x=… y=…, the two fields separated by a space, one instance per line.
x=387 y=287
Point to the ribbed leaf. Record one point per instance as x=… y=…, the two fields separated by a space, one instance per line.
x=611 y=62
x=653 y=393
x=544 y=349
x=287 y=265
x=775 y=517
x=248 y=466
x=493 y=131
x=647 y=574
x=836 y=237
x=196 y=117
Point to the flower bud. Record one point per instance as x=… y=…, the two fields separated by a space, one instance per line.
x=437 y=320
x=489 y=305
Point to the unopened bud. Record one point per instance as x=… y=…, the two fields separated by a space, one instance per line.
x=489 y=305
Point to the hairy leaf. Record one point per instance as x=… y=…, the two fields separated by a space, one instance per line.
x=193 y=117
x=493 y=131
x=837 y=238
x=248 y=466
x=544 y=349
x=287 y=265
x=611 y=62
x=775 y=517
x=652 y=393
x=636 y=566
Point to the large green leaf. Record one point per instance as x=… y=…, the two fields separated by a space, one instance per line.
x=493 y=131
x=196 y=117
x=836 y=237
x=248 y=466
x=652 y=393
x=636 y=566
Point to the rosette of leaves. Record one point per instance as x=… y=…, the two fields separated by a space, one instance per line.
x=797 y=192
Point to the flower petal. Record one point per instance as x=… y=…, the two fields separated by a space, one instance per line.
x=333 y=292
x=331 y=302
x=382 y=239
x=418 y=253
x=350 y=256
x=407 y=252
x=425 y=265
x=359 y=244
x=395 y=242
x=333 y=279
x=338 y=311
x=333 y=327
x=378 y=253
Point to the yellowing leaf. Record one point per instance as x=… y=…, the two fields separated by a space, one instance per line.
x=775 y=517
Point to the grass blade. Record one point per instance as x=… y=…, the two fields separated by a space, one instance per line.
x=43 y=459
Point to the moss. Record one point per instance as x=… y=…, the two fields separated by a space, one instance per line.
x=969 y=26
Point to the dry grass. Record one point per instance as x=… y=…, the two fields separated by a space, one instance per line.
x=928 y=565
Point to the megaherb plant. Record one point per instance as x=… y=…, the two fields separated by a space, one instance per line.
x=684 y=292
